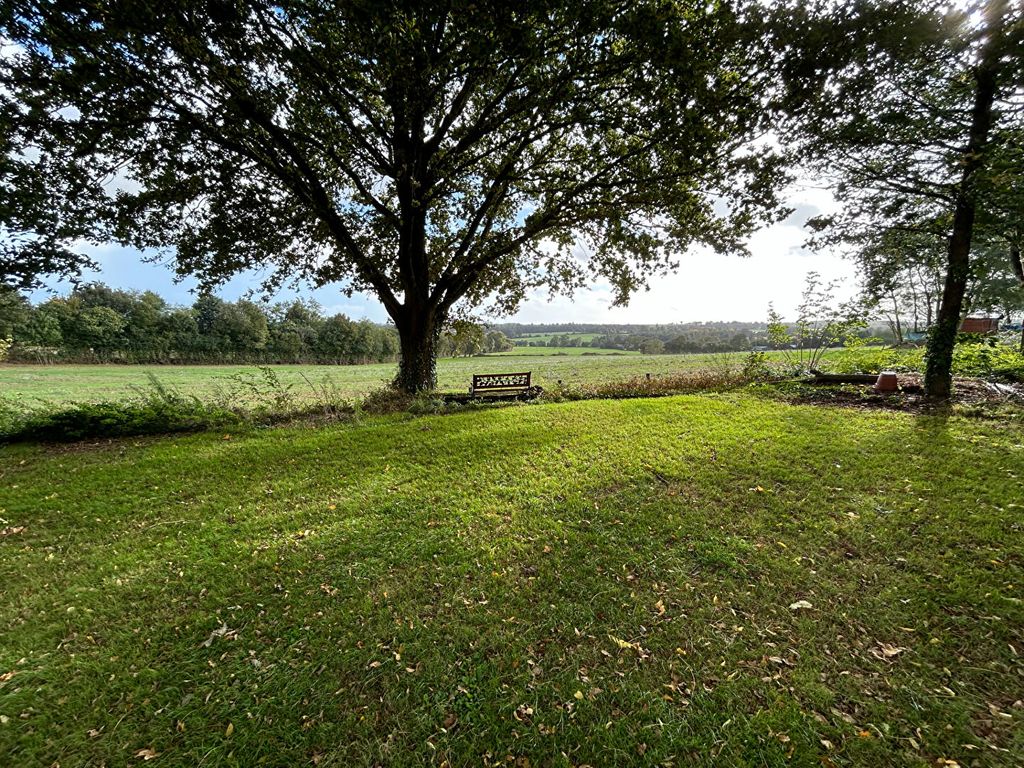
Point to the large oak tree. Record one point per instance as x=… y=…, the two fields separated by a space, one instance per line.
x=432 y=152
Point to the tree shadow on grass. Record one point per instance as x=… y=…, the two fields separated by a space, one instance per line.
x=454 y=604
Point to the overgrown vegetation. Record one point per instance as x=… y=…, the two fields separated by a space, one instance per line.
x=985 y=360
x=150 y=411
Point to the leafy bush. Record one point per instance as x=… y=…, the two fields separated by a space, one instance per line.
x=985 y=360
x=756 y=367
x=988 y=360
x=876 y=360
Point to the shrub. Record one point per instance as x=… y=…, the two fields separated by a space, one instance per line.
x=985 y=360
x=988 y=360
x=876 y=360
x=756 y=367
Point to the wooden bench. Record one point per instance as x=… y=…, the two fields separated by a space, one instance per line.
x=500 y=384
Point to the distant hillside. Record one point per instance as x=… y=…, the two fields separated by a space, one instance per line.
x=719 y=336
x=514 y=330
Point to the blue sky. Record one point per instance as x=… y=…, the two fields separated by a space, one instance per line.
x=706 y=286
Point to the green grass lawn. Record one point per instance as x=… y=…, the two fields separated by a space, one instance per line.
x=601 y=582
x=66 y=383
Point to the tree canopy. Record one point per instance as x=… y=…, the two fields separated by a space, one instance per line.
x=432 y=152
x=916 y=118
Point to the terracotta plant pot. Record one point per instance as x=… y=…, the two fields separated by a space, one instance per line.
x=887 y=382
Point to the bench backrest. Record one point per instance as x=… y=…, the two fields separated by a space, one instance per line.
x=496 y=382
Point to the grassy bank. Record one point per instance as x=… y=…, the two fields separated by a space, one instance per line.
x=691 y=580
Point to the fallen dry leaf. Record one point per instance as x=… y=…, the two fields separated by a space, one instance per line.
x=800 y=604
x=887 y=651
x=221 y=631
x=623 y=644
x=147 y=754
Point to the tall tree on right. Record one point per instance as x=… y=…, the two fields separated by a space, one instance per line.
x=915 y=114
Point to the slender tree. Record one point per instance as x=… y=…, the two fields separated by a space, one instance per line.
x=904 y=116
x=985 y=84
x=429 y=151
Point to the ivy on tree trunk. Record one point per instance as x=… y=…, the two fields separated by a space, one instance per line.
x=418 y=333
x=938 y=376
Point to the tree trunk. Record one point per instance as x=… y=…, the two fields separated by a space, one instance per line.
x=1018 y=271
x=938 y=375
x=898 y=328
x=418 y=333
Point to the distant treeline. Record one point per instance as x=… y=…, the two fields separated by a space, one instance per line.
x=675 y=338
x=656 y=330
x=99 y=324
x=96 y=323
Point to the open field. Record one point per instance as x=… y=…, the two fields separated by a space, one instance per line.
x=545 y=337
x=557 y=351
x=67 y=383
x=603 y=582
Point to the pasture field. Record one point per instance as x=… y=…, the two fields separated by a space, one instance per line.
x=562 y=351
x=68 y=383
x=545 y=337
x=697 y=580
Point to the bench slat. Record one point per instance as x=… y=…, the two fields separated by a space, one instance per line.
x=501 y=382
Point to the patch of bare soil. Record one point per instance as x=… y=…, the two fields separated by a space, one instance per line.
x=910 y=397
